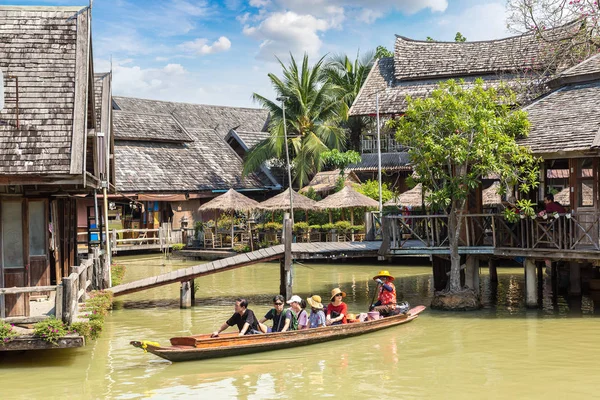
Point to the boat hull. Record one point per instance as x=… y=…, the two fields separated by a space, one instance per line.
x=203 y=347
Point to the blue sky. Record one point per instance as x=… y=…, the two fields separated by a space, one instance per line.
x=219 y=52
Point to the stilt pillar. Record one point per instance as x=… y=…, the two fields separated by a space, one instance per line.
x=574 y=279
x=369 y=228
x=440 y=268
x=492 y=266
x=193 y=290
x=531 y=287
x=472 y=273
x=185 y=300
x=285 y=265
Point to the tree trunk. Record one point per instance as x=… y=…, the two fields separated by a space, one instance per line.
x=453 y=237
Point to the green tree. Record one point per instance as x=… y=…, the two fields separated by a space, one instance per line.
x=370 y=189
x=382 y=51
x=459 y=37
x=312 y=118
x=429 y=39
x=347 y=77
x=455 y=137
x=336 y=159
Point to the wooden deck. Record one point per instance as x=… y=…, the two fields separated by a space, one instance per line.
x=301 y=251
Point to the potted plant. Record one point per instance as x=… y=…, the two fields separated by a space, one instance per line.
x=331 y=229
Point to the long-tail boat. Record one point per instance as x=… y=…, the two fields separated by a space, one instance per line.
x=199 y=347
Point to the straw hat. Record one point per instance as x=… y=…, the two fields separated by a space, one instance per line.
x=337 y=291
x=315 y=302
x=384 y=274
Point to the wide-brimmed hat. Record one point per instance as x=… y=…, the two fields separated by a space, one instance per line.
x=384 y=274
x=335 y=291
x=315 y=302
x=294 y=299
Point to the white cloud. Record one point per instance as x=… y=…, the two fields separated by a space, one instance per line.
x=174 y=69
x=259 y=3
x=200 y=46
x=282 y=33
x=480 y=22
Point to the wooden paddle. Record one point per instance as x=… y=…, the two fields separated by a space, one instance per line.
x=374 y=294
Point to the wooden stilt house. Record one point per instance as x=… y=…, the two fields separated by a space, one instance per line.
x=50 y=146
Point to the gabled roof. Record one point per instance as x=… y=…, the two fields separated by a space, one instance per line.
x=98 y=88
x=588 y=70
x=247 y=139
x=567 y=119
x=220 y=118
x=204 y=162
x=416 y=59
x=47 y=50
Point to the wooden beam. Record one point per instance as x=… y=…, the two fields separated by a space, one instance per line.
x=28 y=289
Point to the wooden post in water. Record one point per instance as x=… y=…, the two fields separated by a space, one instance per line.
x=440 y=267
x=185 y=300
x=193 y=290
x=574 y=279
x=531 y=296
x=472 y=273
x=492 y=263
x=285 y=265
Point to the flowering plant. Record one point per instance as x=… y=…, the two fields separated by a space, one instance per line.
x=50 y=330
x=7 y=333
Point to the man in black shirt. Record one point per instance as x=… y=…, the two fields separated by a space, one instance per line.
x=242 y=317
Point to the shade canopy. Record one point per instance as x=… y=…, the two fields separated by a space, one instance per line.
x=410 y=198
x=282 y=202
x=230 y=201
x=347 y=198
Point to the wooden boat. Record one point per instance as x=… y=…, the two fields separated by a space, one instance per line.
x=200 y=347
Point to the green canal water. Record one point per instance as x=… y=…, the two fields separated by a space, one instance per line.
x=502 y=351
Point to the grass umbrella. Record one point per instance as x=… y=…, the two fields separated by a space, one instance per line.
x=412 y=198
x=347 y=198
x=282 y=202
x=230 y=201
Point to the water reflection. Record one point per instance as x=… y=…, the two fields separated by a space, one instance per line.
x=499 y=349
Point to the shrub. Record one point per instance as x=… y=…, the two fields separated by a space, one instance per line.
x=273 y=225
x=301 y=226
x=343 y=226
x=7 y=333
x=241 y=248
x=328 y=227
x=370 y=189
x=90 y=330
x=314 y=227
x=117 y=273
x=178 y=246
x=50 y=330
x=358 y=228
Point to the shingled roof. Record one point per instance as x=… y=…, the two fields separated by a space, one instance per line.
x=42 y=47
x=205 y=163
x=220 y=118
x=419 y=66
x=587 y=70
x=567 y=119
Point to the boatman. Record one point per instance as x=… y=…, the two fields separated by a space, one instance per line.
x=242 y=317
x=386 y=298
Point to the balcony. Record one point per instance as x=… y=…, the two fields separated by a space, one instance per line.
x=388 y=145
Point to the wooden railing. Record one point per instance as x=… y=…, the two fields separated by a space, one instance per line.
x=160 y=238
x=68 y=294
x=388 y=145
x=560 y=232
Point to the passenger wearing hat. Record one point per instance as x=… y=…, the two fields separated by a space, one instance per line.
x=299 y=318
x=337 y=309
x=317 y=316
x=386 y=299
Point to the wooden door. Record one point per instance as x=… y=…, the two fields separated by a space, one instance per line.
x=586 y=229
x=14 y=261
x=39 y=263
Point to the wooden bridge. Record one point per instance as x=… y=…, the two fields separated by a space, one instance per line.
x=301 y=251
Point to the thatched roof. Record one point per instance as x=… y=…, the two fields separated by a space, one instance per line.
x=230 y=201
x=411 y=198
x=490 y=195
x=325 y=181
x=347 y=198
x=282 y=202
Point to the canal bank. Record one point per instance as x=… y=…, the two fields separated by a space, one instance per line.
x=502 y=350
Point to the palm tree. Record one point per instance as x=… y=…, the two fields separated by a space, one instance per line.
x=348 y=77
x=312 y=118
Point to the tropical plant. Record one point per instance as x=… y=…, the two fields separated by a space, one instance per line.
x=178 y=246
x=328 y=226
x=370 y=188
x=336 y=159
x=459 y=37
x=343 y=226
x=347 y=77
x=312 y=119
x=382 y=51
x=456 y=137
x=301 y=226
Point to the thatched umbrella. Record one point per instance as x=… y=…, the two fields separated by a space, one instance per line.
x=411 y=198
x=347 y=198
x=282 y=202
x=230 y=201
x=490 y=196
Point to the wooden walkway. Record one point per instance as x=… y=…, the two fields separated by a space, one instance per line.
x=302 y=251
